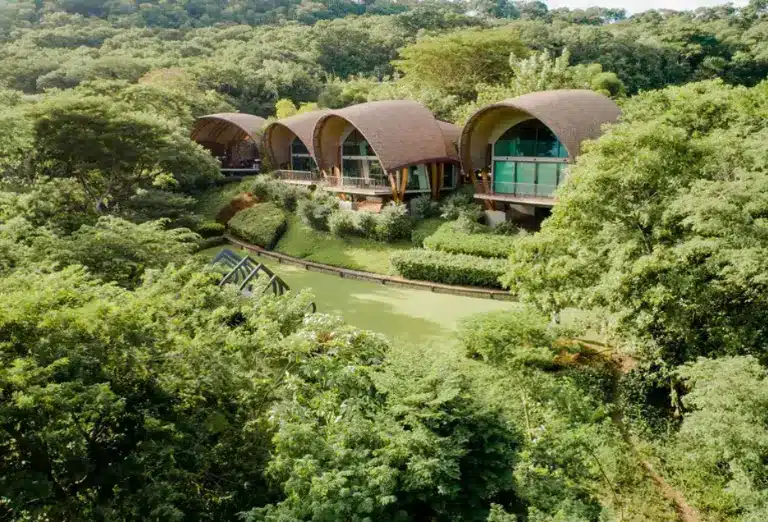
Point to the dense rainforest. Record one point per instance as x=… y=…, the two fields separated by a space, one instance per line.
x=132 y=387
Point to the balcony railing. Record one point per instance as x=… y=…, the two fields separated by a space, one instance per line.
x=503 y=188
x=359 y=183
x=298 y=175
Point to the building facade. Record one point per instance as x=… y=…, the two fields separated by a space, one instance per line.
x=233 y=138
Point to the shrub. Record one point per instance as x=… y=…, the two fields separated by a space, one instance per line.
x=341 y=223
x=262 y=224
x=509 y=337
x=366 y=224
x=451 y=269
x=507 y=228
x=424 y=207
x=393 y=223
x=424 y=229
x=284 y=195
x=457 y=203
x=315 y=211
x=208 y=229
x=449 y=238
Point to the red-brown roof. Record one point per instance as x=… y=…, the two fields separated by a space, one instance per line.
x=227 y=127
x=279 y=134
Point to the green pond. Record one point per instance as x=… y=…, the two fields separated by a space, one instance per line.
x=410 y=315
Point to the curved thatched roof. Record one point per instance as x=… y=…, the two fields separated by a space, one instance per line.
x=279 y=134
x=401 y=132
x=227 y=127
x=573 y=115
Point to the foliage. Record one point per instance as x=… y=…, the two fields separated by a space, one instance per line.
x=119 y=251
x=424 y=207
x=674 y=249
x=393 y=223
x=457 y=203
x=356 y=253
x=341 y=223
x=129 y=405
x=423 y=229
x=262 y=224
x=284 y=195
x=409 y=440
x=500 y=338
x=458 y=61
x=448 y=238
x=449 y=269
x=58 y=204
x=315 y=211
x=213 y=200
x=719 y=453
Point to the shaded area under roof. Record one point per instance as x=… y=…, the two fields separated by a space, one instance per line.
x=279 y=134
x=572 y=115
x=401 y=132
x=227 y=127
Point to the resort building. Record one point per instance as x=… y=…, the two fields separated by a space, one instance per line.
x=233 y=138
x=290 y=148
x=386 y=149
x=517 y=151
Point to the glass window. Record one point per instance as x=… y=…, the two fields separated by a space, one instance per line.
x=352 y=168
x=525 y=178
x=546 y=178
x=417 y=178
x=298 y=147
x=356 y=145
x=530 y=138
x=304 y=163
x=375 y=171
x=504 y=177
x=449 y=179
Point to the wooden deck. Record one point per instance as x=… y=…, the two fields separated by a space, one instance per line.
x=520 y=200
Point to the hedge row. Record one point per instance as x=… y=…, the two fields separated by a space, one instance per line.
x=261 y=224
x=391 y=224
x=450 y=269
x=449 y=239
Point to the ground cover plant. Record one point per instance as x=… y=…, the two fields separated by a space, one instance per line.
x=262 y=224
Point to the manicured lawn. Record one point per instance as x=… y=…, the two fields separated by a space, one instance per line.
x=354 y=253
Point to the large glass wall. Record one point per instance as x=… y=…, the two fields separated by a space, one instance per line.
x=300 y=158
x=528 y=160
x=358 y=160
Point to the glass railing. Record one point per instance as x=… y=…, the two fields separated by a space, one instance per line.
x=504 y=188
x=355 y=182
x=298 y=175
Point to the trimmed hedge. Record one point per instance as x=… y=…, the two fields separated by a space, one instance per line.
x=450 y=269
x=449 y=239
x=261 y=224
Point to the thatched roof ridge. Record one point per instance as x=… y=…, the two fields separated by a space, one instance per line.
x=227 y=127
x=401 y=132
x=279 y=134
x=573 y=115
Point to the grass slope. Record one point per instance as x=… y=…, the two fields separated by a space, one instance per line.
x=353 y=253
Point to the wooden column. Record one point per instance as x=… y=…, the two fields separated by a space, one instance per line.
x=403 y=182
x=440 y=178
x=487 y=190
x=393 y=183
x=434 y=186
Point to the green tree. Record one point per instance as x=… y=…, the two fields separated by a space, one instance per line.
x=455 y=63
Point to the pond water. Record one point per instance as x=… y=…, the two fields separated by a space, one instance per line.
x=405 y=314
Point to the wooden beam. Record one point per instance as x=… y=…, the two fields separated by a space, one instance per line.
x=489 y=205
x=440 y=179
x=393 y=183
x=433 y=186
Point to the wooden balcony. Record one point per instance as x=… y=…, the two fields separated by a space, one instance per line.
x=349 y=185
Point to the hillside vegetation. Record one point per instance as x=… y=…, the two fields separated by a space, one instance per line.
x=133 y=387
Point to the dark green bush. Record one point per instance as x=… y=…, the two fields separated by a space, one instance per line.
x=519 y=337
x=393 y=223
x=451 y=269
x=261 y=224
x=449 y=239
x=211 y=242
x=208 y=229
x=507 y=228
x=424 y=207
